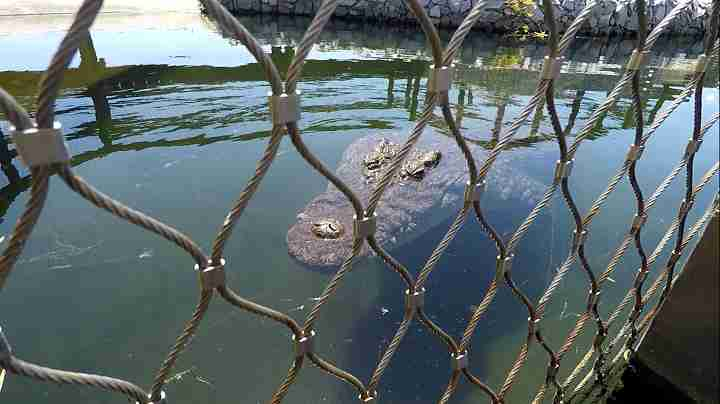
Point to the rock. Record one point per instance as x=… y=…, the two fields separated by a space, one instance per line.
x=240 y=5
x=302 y=8
x=435 y=12
x=610 y=17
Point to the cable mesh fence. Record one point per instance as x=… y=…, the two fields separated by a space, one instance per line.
x=39 y=143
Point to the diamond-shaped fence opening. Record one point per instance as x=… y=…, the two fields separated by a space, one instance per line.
x=41 y=146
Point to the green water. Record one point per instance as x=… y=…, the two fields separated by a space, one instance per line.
x=171 y=118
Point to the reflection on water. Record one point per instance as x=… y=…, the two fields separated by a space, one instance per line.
x=182 y=132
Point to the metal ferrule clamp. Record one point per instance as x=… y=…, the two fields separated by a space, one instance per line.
x=692 y=147
x=685 y=207
x=552 y=372
x=304 y=345
x=460 y=360
x=593 y=299
x=473 y=193
x=701 y=64
x=635 y=152
x=641 y=276
x=563 y=169
x=636 y=60
x=162 y=400
x=674 y=257
x=533 y=325
x=41 y=146
x=366 y=226
x=212 y=276
x=284 y=108
x=368 y=397
x=502 y=266
x=414 y=300
x=440 y=81
x=579 y=239
x=551 y=68
x=637 y=224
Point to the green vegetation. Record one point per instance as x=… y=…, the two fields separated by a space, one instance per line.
x=526 y=28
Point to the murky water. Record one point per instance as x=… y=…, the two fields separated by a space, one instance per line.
x=168 y=116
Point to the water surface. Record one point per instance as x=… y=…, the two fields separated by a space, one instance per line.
x=170 y=117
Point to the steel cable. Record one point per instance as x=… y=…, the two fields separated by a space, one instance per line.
x=544 y=95
x=595 y=118
x=651 y=291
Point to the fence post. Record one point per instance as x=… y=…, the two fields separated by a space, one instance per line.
x=681 y=345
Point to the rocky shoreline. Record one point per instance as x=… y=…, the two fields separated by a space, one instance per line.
x=610 y=17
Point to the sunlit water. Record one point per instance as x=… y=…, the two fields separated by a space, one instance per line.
x=184 y=124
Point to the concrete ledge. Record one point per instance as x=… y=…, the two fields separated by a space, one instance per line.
x=681 y=345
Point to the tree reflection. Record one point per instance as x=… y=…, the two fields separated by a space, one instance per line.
x=490 y=86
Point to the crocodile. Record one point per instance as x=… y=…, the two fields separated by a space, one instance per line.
x=433 y=175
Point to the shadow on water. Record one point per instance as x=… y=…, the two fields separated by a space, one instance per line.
x=498 y=76
x=457 y=284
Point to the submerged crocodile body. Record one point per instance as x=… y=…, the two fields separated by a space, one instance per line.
x=407 y=198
